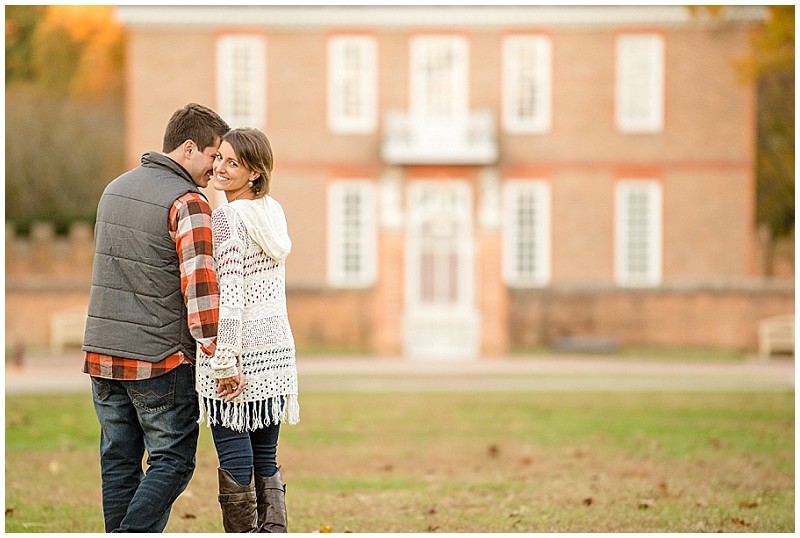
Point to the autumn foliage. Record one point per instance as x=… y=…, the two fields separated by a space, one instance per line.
x=64 y=111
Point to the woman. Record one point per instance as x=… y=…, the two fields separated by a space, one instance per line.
x=249 y=387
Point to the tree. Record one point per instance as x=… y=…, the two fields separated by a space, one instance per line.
x=772 y=66
x=21 y=22
x=64 y=112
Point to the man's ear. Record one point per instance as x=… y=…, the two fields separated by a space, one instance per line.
x=188 y=147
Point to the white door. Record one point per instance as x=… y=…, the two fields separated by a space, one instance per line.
x=441 y=320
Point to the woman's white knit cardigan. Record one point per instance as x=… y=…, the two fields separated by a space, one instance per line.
x=251 y=243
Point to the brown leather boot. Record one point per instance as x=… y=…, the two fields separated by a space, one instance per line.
x=271 y=494
x=238 y=503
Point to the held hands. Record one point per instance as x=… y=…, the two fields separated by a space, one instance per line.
x=231 y=387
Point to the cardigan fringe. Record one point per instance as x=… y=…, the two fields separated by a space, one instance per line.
x=249 y=416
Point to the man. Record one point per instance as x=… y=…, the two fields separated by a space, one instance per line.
x=154 y=297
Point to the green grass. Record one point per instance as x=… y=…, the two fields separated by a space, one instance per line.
x=552 y=462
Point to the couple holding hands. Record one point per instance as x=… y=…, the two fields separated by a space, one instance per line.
x=187 y=324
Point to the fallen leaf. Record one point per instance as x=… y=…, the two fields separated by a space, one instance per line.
x=494 y=450
x=430 y=511
x=740 y=522
x=718 y=443
x=644 y=504
x=432 y=528
x=325 y=528
x=9 y=511
x=572 y=451
x=189 y=516
x=750 y=504
x=588 y=501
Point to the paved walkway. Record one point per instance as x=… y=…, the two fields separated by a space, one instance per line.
x=557 y=372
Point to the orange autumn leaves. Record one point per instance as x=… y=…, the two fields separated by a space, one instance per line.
x=78 y=50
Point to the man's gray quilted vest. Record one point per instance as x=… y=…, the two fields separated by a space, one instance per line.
x=136 y=308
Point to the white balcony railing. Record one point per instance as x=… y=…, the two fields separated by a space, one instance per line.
x=469 y=139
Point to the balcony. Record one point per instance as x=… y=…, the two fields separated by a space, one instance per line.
x=467 y=140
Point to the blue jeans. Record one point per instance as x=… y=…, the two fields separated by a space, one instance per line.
x=158 y=415
x=239 y=452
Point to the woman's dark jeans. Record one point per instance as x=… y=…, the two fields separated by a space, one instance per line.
x=239 y=452
x=158 y=415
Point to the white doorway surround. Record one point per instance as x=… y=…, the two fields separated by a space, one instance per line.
x=441 y=319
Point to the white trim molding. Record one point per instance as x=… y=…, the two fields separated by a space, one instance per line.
x=354 y=16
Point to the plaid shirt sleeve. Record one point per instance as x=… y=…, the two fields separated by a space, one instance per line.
x=190 y=226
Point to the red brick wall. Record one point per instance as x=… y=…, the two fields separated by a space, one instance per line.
x=715 y=317
x=46 y=274
x=325 y=320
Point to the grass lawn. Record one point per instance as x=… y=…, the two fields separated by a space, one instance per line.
x=547 y=462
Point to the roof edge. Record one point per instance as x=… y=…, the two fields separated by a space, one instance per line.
x=424 y=16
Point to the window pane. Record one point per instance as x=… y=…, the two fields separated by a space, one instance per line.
x=527 y=83
x=352 y=79
x=526 y=233
x=241 y=80
x=351 y=233
x=439 y=76
x=638 y=232
x=640 y=83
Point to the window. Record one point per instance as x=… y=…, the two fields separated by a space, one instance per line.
x=638 y=232
x=526 y=233
x=352 y=81
x=439 y=81
x=241 y=80
x=640 y=83
x=352 y=230
x=527 y=84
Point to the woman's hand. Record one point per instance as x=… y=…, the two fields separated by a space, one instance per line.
x=231 y=387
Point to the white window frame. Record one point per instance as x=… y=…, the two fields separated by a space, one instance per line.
x=242 y=75
x=533 y=78
x=639 y=106
x=638 y=233
x=535 y=235
x=352 y=231
x=456 y=81
x=352 y=82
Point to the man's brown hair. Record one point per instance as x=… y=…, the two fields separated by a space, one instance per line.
x=193 y=122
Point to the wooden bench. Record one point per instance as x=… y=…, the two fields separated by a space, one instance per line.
x=775 y=334
x=66 y=328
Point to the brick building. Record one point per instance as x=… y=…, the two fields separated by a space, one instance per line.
x=461 y=181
